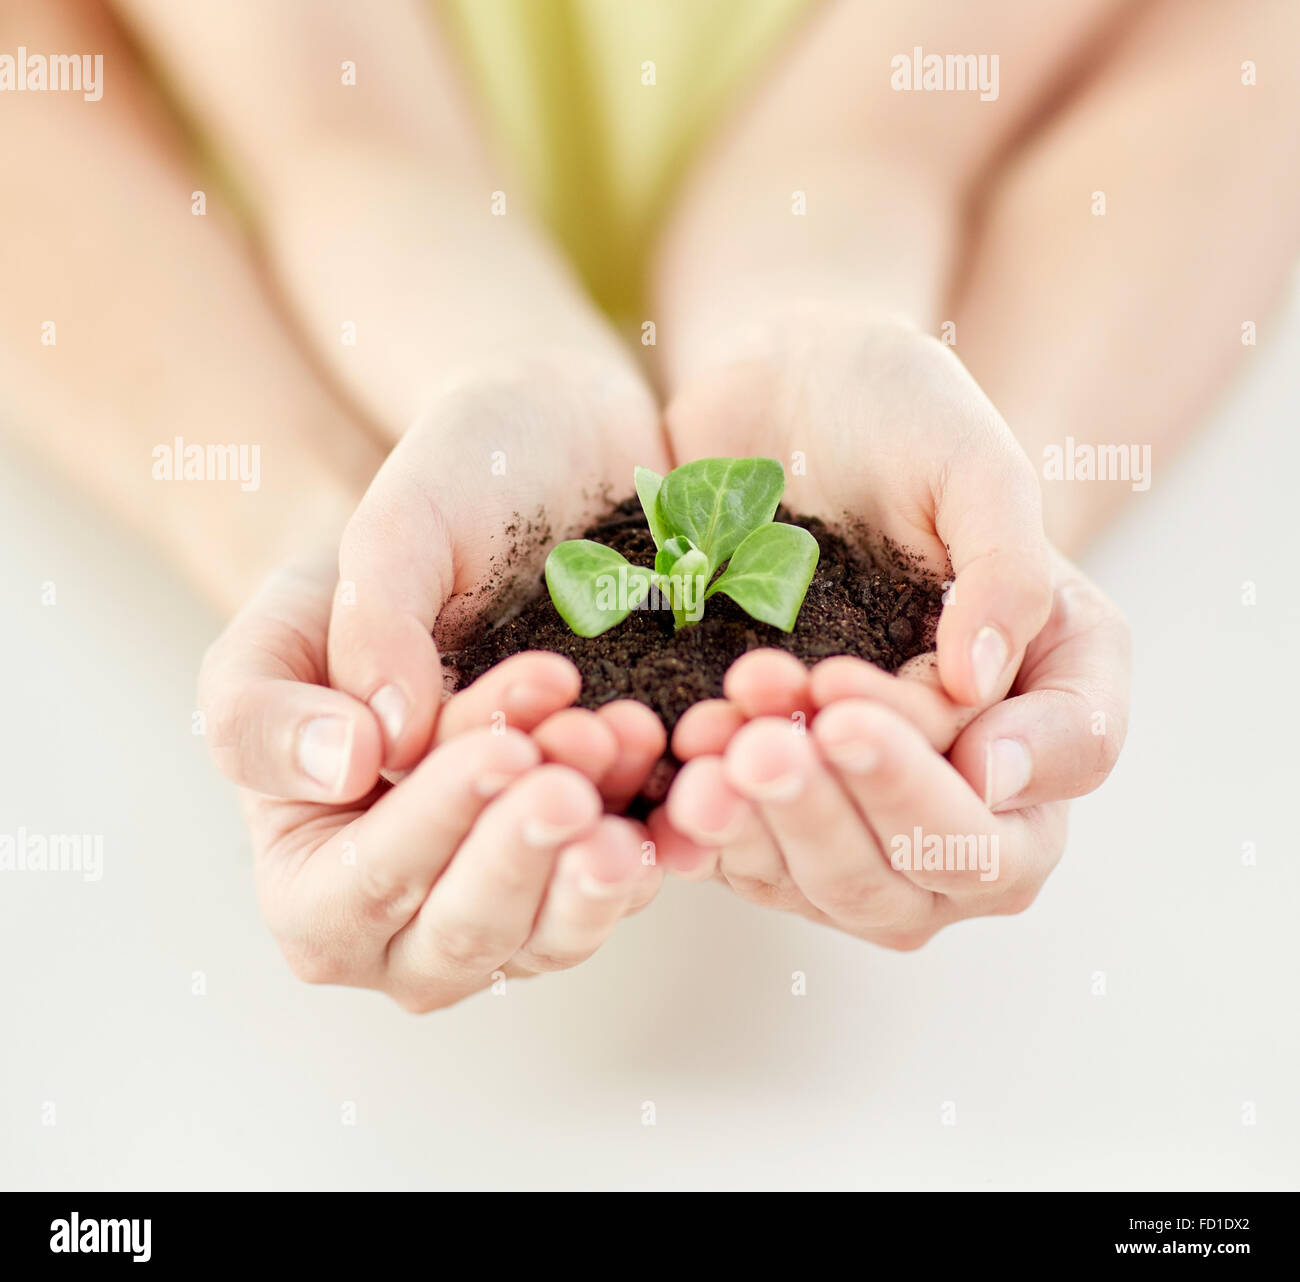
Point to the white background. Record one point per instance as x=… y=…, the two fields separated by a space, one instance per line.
x=690 y=1006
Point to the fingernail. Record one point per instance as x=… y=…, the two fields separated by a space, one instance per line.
x=540 y=834
x=857 y=756
x=594 y=888
x=390 y=706
x=988 y=657
x=1007 y=768
x=325 y=750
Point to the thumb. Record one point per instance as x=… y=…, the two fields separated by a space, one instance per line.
x=395 y=573
x=989 y=515
x=272 y=724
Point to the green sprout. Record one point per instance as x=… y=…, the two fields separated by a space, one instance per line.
x=702 y=516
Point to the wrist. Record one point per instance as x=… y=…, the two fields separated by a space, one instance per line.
x=786 y=333
x=844 y=257
x=409 y=279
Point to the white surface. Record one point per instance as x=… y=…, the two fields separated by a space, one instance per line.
x=690 y=1006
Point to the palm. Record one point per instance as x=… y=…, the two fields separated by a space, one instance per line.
x=867 y=423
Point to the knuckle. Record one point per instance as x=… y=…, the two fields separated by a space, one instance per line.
x=853 y=898
x=294 y=648
x=313 y=965
x=552 y=958
x=471 y=946
x=515 y=878
x=386 y=897
x=224 y=723
x=764 y=893
x=891 y=779
x=227 y=730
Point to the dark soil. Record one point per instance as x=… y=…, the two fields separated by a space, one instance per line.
x=881 y=608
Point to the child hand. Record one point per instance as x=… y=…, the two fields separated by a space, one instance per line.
x=882 y=426
x=492 y=857
x=815 y=823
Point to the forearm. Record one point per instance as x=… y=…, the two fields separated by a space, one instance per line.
x=408 y=285
x=404 y=250
x=1116 y=325
x=129 y=322
x=837 y=197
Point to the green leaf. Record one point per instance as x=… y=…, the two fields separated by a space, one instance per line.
x=686 y=583
x=769 y=574
x=593 y=587
x=647 y=490
x=670 y=553
x=718 y=502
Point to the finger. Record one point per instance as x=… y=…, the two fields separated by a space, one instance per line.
x=269 y=724
x=521 y=691
x=930 y=825
x=676 y=853
x=578 y=738
x=590 y=891
x=395 y=572
x=768 y=683
x=831 y=853
x=914 y=692
x=347 y=899
x=1061 y=732
x=641 y=740
x=705 y=728
x=988 y=512
x=704 y=806
x=652 y=871
x=483 y=906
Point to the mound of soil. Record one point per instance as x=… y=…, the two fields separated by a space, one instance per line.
x=878 y=608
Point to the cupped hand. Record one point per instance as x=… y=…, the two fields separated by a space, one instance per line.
x=821 y=792
x=460 y=517
x=493 y=857
x=882 y=428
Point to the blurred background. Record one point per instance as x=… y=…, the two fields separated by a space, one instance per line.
x=1136 y=1029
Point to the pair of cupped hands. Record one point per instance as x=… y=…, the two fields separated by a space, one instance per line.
x=426 y=846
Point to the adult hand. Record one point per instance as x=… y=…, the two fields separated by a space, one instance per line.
x=493 y=856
